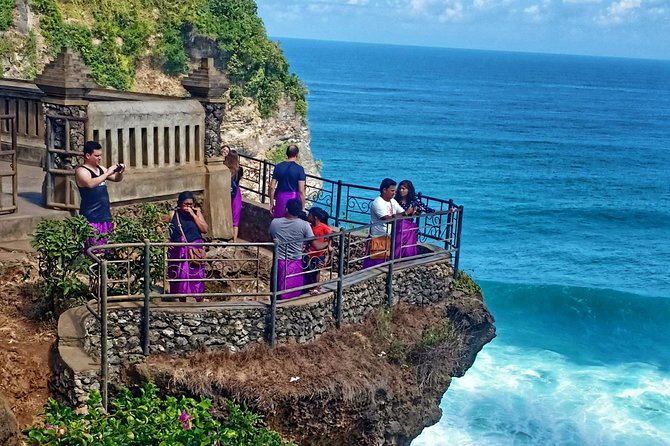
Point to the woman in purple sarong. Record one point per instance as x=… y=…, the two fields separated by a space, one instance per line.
x=91 y=179
x=289 y=266
x=406 y=230
x=187 y=225
x=233 y=163
x=288 y=182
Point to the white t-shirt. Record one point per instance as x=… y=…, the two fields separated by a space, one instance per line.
x=382 y=208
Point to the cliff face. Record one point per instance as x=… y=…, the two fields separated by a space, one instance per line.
x=375 y=383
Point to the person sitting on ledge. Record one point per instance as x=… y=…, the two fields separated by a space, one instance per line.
x=289 y=265
x=288 y=181
x=384 y=207
x=318 y=251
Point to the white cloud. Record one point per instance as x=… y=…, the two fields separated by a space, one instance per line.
x=619 y=11
x=357 y=2
x=581 y=1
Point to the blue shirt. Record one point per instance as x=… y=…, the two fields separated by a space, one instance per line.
x=191 y=230
x=288 y=174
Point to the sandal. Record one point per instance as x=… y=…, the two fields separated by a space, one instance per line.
x=315 y=291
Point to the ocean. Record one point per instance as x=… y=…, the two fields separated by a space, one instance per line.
x=562 y=165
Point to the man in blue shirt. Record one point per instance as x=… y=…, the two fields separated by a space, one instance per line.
x=288 y=182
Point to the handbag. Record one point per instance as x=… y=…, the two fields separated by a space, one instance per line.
x=196 y=256
x=380 y=247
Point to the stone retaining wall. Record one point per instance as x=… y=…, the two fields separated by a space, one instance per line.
x=183 y=328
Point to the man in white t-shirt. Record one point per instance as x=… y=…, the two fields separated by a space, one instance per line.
x=384 y=207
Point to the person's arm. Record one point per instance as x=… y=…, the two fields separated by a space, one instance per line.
x=117 y=176
x=199 y=220
x=83 y=177
x=271 y=193
x=301 y=189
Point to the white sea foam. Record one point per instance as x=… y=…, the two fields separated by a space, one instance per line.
x=517 y=396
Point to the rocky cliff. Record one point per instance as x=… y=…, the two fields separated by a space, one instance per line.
x=375 y=383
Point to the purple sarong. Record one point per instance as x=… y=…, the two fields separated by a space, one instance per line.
x=280 y=202
x=405 y=238
x=101 y=229
x=289 y=275
x=185 y=270
x=236 y=206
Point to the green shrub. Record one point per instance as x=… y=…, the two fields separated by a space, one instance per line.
x=6 y=14
x=62 y=262
x=149 y=420
x=465 y=284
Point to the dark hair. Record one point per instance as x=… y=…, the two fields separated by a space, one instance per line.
x=411 y=192
x=294 y=207
x=386 y=183
x=186 y=195
x=319 y=213
x=292 y=151
x=91 y=146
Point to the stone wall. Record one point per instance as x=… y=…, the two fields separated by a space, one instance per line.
x=183 y=328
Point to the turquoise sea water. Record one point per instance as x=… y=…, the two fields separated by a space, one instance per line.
x=562 y=164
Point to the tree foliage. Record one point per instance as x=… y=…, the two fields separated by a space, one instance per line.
x=112 y=35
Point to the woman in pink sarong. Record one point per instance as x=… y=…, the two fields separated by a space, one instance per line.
x=187 y=225
x=406 y=230
x=287 y=183
x=233 y=163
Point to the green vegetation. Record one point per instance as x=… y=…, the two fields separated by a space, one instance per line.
x=31 y=55
x=150 y=420
x=465 y=284
x=64 y=266
x=6 y=14
x=112 y=35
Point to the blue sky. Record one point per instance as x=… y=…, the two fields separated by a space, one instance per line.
x=626 y=28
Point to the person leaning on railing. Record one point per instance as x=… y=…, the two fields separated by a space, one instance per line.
x=288 y=182
x=289 y=265
x=407 y=230
x=318 y=251
x=384 y=207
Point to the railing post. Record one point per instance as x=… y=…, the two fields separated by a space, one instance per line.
x=340 y=277
x=147 y=298
x=449 y=240
x=273 y=297
x=457 y=257
x=264 y=181
x=337 y=203
x=104 y=367
x=389 y=277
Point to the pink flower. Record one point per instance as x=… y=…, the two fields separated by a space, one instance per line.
x=185 y=420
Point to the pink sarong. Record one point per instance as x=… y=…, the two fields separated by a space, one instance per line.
x=236 y=206
x=185 y=270
x=289 y=275
x=280 y=202
x=101 y=229
x=406 y=235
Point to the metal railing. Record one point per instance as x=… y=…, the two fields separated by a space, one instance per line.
x=349 y=204
x=243 y=271
x=8 y=163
